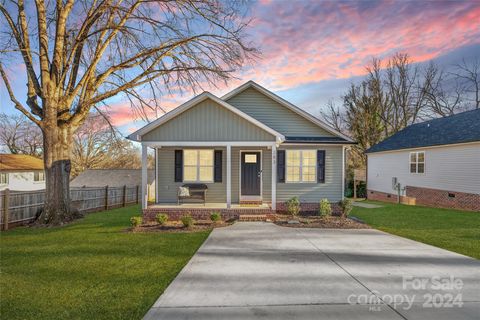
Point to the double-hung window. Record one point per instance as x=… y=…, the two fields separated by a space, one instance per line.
x=417 y=162
x=3 y=178
x=198 y=165
x=301 y=165
x=39 y=176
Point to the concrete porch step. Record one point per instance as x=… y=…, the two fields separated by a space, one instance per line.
x=252 y=217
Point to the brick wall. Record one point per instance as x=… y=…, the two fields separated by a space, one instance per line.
x=381 y=196
x=200 y=213
x=431 y=198
x=445 y=199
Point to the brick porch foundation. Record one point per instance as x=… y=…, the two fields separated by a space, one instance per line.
x=233 y=213
x=310 y=208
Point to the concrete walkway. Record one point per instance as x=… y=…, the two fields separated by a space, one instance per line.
x=365 y=205
x=263 y=271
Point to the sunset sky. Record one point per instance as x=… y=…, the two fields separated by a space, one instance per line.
x=312 y=50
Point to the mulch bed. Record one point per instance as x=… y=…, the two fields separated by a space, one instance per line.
x=177 y=226
x=331 y=222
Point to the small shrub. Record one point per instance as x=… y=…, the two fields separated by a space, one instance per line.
x=215 y=216
x=136 y=221
x=293 y=206
x=325 y=208
x=346 y=206
x=187 y=220
x=161 y=218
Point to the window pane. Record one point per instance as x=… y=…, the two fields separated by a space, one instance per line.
x=308 y=174
x=206 y=157
x=250 y=158
x=413 y=157
x=293 y=174
x=293 y=158
x=206 y=173
x=421 y=157
x=421 y=168
x=190 y=157
x=413 y=168
x=309 y=157
x=190 y=173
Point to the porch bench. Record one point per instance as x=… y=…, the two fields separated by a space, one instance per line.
x=196 y=191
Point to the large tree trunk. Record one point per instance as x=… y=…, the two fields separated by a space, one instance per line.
x=57 y=148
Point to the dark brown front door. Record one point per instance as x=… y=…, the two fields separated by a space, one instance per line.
x=251 y=173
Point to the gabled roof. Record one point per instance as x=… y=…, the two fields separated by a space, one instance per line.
x=286 y=104
x=460 y=128
x=136 y=136
x=20 y=162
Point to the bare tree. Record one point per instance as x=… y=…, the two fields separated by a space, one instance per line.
x=94 y=144
x=440 y=101
x=20 y=136
x=334 y=117
x=469 y=72
x=78 y=54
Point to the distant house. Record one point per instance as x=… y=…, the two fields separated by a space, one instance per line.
x=21 y=172
x=437 y=163
x=113 y=178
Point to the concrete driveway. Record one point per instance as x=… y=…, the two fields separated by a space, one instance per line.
x=263 y=271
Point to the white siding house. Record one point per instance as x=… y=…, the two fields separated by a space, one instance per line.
x=451 y=168
x=437 y=163
x=21 y=172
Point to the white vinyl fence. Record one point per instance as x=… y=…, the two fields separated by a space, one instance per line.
x=17 y=207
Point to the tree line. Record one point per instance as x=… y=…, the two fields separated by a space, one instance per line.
x=96 y=144
x=397 y=93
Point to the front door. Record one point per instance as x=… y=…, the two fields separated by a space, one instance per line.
x=251 y=174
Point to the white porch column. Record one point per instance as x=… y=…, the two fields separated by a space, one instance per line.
x=229 y=176
x=274 y=177
x=156 y=175
x=343 y=173
x=144 y=177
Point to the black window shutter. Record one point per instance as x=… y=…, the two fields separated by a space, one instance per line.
x=178 y=165
x=281 y=165
x=321 y=166
x=217 y=164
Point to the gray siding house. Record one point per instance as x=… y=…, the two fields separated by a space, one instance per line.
x=249 y=146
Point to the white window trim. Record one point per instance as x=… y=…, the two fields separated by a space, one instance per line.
x=6 y=179
x=416 y=162
x=39 y=181
x=301 y=166
x=199 y=166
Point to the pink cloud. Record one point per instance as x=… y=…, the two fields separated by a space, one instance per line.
x=304 y=42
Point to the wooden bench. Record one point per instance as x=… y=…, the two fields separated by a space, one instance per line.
x=196 y=191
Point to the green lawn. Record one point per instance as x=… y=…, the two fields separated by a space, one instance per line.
x=90 y=269
x=453 y=230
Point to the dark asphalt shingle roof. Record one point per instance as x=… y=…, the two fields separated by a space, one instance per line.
x=459 y=128
x=317 y=140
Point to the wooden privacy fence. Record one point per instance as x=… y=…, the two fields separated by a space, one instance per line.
x=18 y=207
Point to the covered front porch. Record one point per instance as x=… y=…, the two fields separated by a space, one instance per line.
x=243 y=174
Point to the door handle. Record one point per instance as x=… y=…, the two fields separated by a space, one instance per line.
x=259 y=173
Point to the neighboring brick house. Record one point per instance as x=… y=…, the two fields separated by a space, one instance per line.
x=435 y=163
